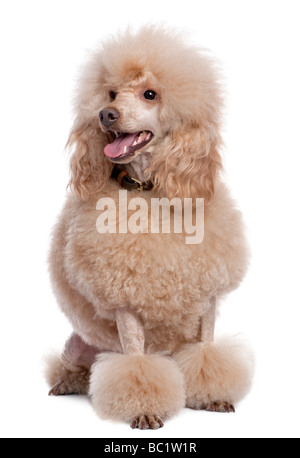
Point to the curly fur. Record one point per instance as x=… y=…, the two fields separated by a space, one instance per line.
x=215 y=371
x=165 y=283
x=193 y=140
x=90 y=171
x=123 y=386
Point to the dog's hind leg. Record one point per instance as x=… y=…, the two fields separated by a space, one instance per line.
x=69 y=373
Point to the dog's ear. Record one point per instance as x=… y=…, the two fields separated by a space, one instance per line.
x=90 y=169
x=187 y=163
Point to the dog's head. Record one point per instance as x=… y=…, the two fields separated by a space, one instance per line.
x=148 y=93
x=132 y=116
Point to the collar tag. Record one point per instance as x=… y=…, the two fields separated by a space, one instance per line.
x=129 y=183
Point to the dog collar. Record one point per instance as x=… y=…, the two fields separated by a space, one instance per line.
x=129 y=183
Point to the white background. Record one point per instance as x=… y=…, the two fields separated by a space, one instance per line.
x=42 y=45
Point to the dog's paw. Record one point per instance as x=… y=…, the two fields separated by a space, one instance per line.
x=61 y=388
x=71 y=383
x=147 y=422
x=220 y=406
x=62 y=380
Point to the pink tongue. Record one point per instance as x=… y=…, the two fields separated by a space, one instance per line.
x=116 y=148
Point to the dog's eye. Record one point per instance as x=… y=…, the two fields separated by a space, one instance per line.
x=112 y=95
x=150 y=95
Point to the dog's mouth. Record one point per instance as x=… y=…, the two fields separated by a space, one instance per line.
x=125 y=144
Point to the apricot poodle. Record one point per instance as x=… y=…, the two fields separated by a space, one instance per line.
x=143 y=304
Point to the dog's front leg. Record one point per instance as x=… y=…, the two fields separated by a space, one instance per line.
x=138 y=387
x=132 y=337
x=208 y=320
x=131 y=332
x=207 y=334
x=217 y=373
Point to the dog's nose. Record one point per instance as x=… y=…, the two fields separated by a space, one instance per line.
x=109 y=116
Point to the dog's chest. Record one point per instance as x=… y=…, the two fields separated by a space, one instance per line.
x=157 y=274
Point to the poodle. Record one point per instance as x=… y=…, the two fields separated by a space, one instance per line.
x=143 y=303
